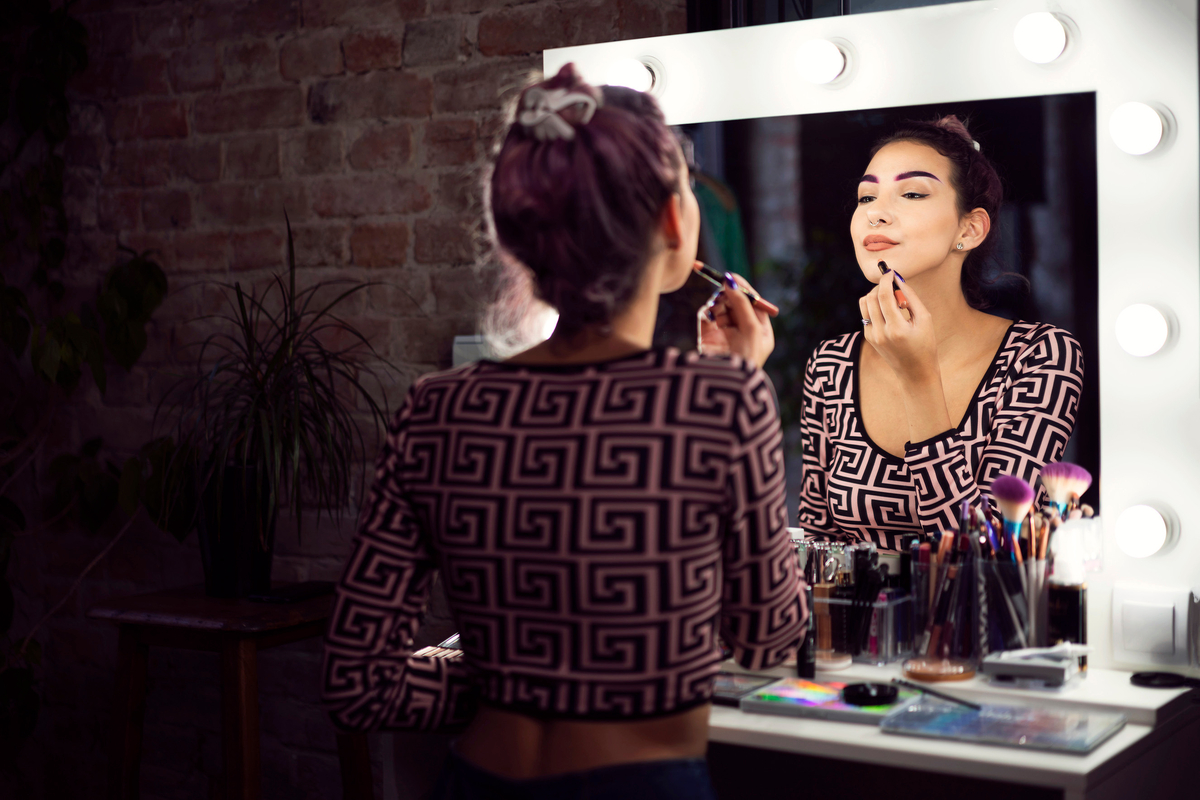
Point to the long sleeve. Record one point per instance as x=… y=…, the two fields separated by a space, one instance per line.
x=763 y=613
x=370 y=679
x=1034 y=417
x=814 y=516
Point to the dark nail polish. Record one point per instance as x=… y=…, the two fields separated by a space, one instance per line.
x=901 y=277
x=708 y=313
x=883 y=268
x=730 y=281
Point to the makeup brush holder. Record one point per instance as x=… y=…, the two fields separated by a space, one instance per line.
x=877 y=633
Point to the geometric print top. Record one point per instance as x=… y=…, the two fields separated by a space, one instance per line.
x=1020 y=419
x=596 y=527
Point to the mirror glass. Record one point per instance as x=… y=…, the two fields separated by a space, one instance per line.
x=776 y=199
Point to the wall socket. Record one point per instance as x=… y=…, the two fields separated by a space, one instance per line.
x=1150 y=625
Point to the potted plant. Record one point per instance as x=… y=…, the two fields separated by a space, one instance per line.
x=266 y=421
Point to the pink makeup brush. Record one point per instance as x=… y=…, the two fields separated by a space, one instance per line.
x=1015 y=498
x=1063 y=481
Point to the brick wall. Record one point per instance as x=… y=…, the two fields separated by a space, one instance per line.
x=195 y=125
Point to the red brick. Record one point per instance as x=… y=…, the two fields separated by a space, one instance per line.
x=434 y=41
x=674 y=19
x=483 y=87
x=142 y=75
x=376 y=94
x=167 y=209
x=253 y=156
x=389 y=146
x=110 y=34
x=83 y=150
x=595 y=23
x=329 y=13
x=195 y=68
x=250 y=62
x=119 y=210
x=445 y=241
x=382 y=245
x=251 y=203
x=312 y=152
x=450 y=142
x=525 y=29
x=121 y=120
x=362 y=195
x=201 y=251
x=218 y=20
x=196 y=161
x=162 y=119
x=320 y=245
x=459 y=290
x=638 y=19
x=377 y=49
x=315 y=54
x=427 y=341
x=459 y=192
x=79 y=197
x=161 y=29
x=138 y=164
x=250 y=109
x=256 y=249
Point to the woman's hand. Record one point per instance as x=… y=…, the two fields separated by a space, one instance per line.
x=904 y=339
x=736 y=327
x=907 y=343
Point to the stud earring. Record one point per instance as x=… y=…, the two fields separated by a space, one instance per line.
x=959 y=245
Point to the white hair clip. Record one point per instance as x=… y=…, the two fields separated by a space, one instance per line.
x=540 y=108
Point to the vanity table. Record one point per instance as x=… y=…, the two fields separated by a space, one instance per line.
x=1151 y=757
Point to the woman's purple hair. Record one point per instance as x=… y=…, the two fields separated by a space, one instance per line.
x=974 y=180
x=580 y=213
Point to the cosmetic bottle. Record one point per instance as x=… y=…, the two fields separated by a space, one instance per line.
x=1067 y=601
x=806 y=659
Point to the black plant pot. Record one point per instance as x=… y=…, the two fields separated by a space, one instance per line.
x=238 y=541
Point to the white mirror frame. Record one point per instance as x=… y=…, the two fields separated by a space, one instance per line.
x=1148 y=206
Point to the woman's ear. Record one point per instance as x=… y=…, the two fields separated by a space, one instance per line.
x=670 y=222
x=975 y=227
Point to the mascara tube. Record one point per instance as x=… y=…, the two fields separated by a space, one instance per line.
x=806 y=659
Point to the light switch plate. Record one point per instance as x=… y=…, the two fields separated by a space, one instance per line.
x=1150 y=624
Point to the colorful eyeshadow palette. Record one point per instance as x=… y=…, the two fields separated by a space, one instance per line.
x=730 y=687
x=796 y=697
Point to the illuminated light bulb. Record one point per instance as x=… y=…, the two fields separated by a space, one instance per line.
x=1141 y=531
x=1142 y=329
x=631 y=73
x=820 y=61
x=1040 y=37
x=1136 y=128
x=549 y=324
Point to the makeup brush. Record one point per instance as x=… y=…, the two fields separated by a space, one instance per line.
x=719 y=280
x=1015 y=497
x=901 y=300
x=1063 y=481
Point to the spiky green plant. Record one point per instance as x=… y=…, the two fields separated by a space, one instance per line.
x=270 y=392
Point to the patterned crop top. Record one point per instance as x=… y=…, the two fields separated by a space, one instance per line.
x=1020 y=419
x=596 y=527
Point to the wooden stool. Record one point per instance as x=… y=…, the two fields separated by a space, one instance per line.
x=237 y=630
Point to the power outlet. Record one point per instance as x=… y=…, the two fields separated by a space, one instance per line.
x=1150 y=624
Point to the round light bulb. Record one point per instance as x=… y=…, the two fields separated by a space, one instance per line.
x=1141 y=531
x=820 y=61
x=631 y=73
x=1142 y=329
x=1040 y=37
x=549 y=323
x=1136 y=128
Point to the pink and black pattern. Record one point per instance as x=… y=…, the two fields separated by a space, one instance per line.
x=1019 y=420
x=595 y=526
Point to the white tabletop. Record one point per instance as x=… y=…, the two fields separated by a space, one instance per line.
x=1106 y=690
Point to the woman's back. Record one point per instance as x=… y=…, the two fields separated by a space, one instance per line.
x=592 y=523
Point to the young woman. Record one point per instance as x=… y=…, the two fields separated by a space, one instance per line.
x=600 y=511
x=934 y=397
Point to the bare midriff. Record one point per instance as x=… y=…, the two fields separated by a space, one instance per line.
x=519 y=747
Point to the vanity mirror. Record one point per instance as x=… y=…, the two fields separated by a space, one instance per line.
x=1136 y=61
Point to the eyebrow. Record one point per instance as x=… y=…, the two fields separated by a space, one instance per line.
x=868 y=179
x=918 y=174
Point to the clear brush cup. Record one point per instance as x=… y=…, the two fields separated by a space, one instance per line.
x=969 y=606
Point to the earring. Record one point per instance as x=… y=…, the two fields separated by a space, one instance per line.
x=959 y=245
